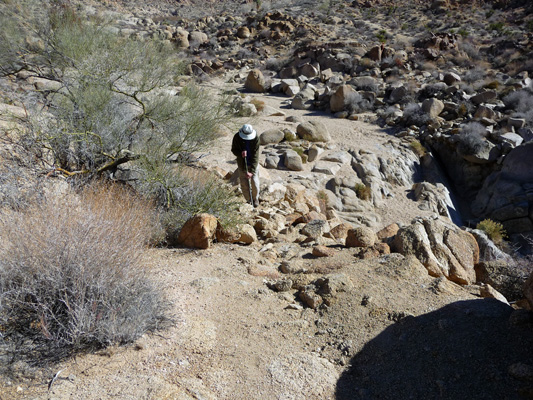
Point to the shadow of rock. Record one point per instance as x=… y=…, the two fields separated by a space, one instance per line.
x=461 y=351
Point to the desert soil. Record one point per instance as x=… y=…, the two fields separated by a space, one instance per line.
x=394 y=332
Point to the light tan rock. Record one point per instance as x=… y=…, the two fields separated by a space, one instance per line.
x=323 y=251
x=340 y=98
x=442 y=247
x=255 y=82
x=314 y=131
x=361 y=237
x=198 y=232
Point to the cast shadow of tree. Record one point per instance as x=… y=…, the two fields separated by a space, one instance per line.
x=461 y=351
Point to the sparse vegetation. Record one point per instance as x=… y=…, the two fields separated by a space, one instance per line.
x=322 y=197
x=472 y=140
x=111 y=103
x=522 y=102
x=418 y=148
x=363 y=191
x=494 y=230
x=497 y=26
x=413 y=115
x=382 y=36
x=259 y=104
x=72 y=274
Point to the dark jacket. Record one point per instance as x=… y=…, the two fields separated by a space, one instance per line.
x=252 y=148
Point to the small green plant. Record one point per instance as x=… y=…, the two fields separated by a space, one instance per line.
x=494 y=230
x=382 y=36
x=322 y=197
x=497 y=26
x=301 y=152
x=489 y=13
x=529 y=25
x=418 y=148
x=363 y=191
x=463 y=32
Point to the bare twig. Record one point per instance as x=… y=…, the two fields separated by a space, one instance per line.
x=54 y=379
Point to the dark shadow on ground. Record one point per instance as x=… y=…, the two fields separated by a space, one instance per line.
x=461 y=351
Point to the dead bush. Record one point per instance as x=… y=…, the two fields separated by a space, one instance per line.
x=71 y=273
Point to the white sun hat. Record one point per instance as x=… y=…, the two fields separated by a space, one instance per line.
x=247 y=132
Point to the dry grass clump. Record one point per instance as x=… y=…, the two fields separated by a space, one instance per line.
x=362 y=191
x=322 y=197
x=71 y=272
x=259 y=104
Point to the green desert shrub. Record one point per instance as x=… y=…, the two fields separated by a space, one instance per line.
x=182 y=192
x=115 y=95
x=72 y=274
x=494 y=230
x=418 y=148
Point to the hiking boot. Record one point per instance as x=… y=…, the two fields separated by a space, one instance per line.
x=256 y=203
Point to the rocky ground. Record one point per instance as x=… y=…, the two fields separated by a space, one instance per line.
x=325 y=310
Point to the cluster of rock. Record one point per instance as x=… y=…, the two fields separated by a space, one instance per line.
x=470 y=123
x=434 y=245
x=471 y=134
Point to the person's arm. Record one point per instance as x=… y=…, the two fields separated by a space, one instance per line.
x=255 y=155
x=235 y=147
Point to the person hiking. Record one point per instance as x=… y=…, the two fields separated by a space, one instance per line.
x=245 y=147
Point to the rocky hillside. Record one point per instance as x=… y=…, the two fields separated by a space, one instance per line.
x=388 y=131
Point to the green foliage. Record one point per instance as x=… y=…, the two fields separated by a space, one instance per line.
x=463 y=32
x=497 y=26
x=362 y=191
x=529 y=25
x=494 y=230
x=418 y=148
x=71 y=272
x=382 y=36
x=117 y=103
x=185 y=192
x=114 y=97
x=301 y=152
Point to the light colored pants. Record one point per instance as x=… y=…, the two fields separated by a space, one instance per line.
x=246 y=189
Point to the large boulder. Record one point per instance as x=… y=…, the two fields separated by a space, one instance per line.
x=303 y=100
x=198 y=231
x=505 y=278
x=255 y=82
x=313 y=131
x=442 y=247
x=243 y=233
x=504 y=195
x=433 y=107
x=341 y=98
x=293 y=161
x=271 y=136
x=361 y=237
